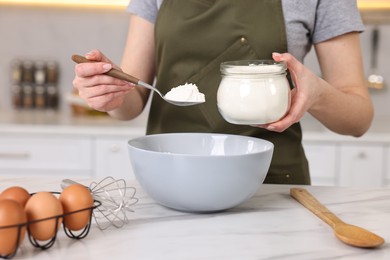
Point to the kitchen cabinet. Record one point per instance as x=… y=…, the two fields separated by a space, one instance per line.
x=25 y=154
x=35 y=144
x=55 y=144
x=112 y=158
x=361 y=165
x=322 y=163
x=355 y=164
x=68 y=156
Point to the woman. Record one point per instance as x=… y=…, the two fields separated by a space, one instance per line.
x=178 y=41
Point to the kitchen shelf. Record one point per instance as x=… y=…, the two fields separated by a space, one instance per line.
x=374 y=16
x=364 y=5
x=372 y=11
x=373 y=5
x=113 y=4
x=375 y=11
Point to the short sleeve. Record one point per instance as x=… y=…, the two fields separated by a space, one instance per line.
x=146 y=9
x=335 y=18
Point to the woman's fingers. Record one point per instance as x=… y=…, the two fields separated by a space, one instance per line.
x=91 y=68
x=107 y=102
x=100 y=79
x=96 y=55
x=100 y=91
x=302 y=95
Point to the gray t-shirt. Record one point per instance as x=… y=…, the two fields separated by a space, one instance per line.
x=307 y=21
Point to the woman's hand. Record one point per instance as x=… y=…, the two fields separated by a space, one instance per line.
x=303 y=95
x=100 y=92
x=339 y=99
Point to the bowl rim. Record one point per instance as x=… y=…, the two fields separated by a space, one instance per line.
x=269 y=145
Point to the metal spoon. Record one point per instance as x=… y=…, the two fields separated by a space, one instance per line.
x=115 y=73
x=375 y=80
x=349 y=234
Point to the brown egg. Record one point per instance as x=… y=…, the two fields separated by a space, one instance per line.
x=40 y=206
x=76 y=197
x=11 y=213
x=16 y=193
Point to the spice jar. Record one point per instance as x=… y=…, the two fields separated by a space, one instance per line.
x=253 y=92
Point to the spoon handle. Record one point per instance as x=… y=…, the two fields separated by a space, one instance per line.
x=115 y=73
x=311 y=203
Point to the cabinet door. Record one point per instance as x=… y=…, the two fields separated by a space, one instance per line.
x=45 y=155
x=322 y=162
x=361 y=165
x=112 y=158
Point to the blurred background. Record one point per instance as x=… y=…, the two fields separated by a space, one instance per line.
x=44 y=33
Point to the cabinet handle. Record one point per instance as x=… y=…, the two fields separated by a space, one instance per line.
x=16 y=155
x=114 y=148
x=362 y=155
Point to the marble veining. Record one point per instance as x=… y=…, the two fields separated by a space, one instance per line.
x=271 y=225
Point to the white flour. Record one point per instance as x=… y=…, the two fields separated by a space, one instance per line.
x=254 y=68
x=187 y=92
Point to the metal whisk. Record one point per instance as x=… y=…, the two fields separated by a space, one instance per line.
x=116 y=200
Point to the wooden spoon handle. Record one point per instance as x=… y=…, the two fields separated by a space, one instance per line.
x=115 y=73
x=311 y=203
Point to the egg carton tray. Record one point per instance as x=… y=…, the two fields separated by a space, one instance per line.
x=80 y=234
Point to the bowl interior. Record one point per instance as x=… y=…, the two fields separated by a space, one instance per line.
x=201 y=144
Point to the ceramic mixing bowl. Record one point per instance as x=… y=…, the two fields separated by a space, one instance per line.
x=200 y=172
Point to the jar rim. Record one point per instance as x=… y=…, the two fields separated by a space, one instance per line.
x=253 y=67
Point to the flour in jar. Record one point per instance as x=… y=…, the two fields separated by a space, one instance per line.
x=188 y=92
x=255 y=69
x=251 y=94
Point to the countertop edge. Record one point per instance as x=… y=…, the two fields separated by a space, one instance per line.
x=59 y=124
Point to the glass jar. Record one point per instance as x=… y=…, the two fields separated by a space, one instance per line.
x=253 y=92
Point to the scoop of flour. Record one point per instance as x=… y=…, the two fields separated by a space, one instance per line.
x=187 y=92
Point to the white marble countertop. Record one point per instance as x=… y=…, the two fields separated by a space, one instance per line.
x=271 y=225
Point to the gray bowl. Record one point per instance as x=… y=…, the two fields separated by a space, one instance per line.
x=200 y=172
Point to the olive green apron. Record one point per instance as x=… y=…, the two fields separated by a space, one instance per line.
x=192 y=38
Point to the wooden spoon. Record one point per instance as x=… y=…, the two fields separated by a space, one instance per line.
x=349 y=234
